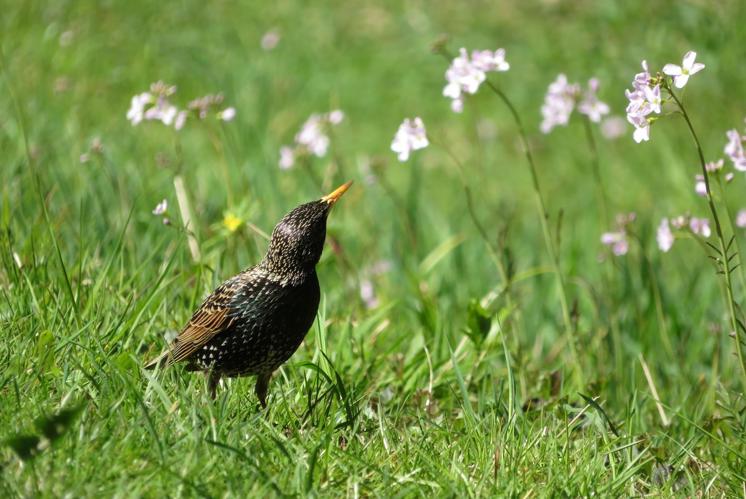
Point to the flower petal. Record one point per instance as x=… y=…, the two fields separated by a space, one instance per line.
x=641 y=134
x=696 y=68
x=680 y=80
x=672 y=69
x=689 y=58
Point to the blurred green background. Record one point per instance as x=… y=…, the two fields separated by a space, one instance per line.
x=423 y=399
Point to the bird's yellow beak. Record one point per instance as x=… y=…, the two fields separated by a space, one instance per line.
x=333 y=196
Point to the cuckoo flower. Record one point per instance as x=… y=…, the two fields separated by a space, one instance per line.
x=734 y=149
x=559 y=103
x=664 y=236
x=741 y=219
x=410 y=136
x=312 y=139
x=617 y=239
x=682 y=73
x=590 y=105
x=466 y=74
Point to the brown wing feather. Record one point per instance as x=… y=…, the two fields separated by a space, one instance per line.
x=210 y=319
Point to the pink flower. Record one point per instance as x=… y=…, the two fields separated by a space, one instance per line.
x=741 y=219
x=734 y=150
x=590 y=105
x=699 y=185
x=336 y=116
x=643 y=100
x=180 y=120
x=558 y=103
x=368 y=293
x=161 y=208
x=465 y=75
x=312 y=139
x=462 y=76
x=410 y=136
x=700 y=226
x=486 y=60
x=714 y=166
x=287 y=158
x=682 y=73
x=136 y=112
x=617 y=241
x=664 y=236
x=227 y=114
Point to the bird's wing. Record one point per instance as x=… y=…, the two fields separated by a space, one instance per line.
x=212 y=318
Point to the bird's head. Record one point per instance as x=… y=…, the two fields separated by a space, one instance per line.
x=298 y=240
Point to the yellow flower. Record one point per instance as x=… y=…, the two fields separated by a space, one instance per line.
x=231 y=222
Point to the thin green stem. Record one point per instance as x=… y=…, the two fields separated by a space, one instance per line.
x=724 y=246
x=541 y=206
x=477 y=224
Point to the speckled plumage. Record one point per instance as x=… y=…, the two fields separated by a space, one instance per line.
x=253 y=322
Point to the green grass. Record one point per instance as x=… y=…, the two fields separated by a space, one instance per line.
x=450 y=386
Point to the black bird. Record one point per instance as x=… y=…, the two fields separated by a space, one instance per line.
x=253 y=322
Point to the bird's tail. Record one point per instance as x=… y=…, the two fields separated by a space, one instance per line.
x=160 y=361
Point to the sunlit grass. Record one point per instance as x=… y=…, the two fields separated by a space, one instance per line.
x=449 y=384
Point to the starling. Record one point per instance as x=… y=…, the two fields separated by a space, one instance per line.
x=253 y=322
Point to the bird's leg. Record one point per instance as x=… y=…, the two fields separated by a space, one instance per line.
x=213 y=379
x=262 y=385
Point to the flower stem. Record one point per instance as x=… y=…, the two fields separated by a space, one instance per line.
x=724 y=258
x=541 y=206
x=494 y=252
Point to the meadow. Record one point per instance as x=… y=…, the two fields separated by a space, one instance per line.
x=476 y=337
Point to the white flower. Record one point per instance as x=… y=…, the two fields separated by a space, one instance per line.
x=465 y=74
x=642 y=80
x=682 y=73
x=653 y=97
x=664 y=236
x=617 y=241
x=699 y=185
x=312 y=136
x=741 y=219
x=486 y=60
x=462 y=76
x=311 y=139
x=287 y=158
x=642 y=128
x=162 y=111
x=227 y=114
x=700 y=226
x=368 y=293
x=180 y=120
x=136 y=112
x=729 y=176
x=410 y=136
x=336 y=116
x=161 y=208
x=457 y=104
x=643 y=100
x=680 y=222
x=590 y=105
x=734 y=150
x=714 y=166
x=558 y=103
